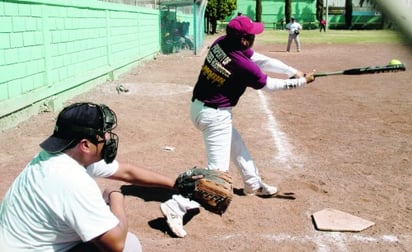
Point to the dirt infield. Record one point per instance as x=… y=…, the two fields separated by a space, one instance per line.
x=344 y=142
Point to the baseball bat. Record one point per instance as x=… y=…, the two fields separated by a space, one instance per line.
x=365 y=70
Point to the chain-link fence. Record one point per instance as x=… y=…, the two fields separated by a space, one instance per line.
x=181 y=22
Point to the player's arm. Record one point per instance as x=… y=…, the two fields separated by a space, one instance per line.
x=115 y=238
x=273 y=84
x=268 y=64
x=130 y=173
x=142 y=177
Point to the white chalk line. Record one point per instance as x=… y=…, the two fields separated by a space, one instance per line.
x=325 y=242
x=285 y=153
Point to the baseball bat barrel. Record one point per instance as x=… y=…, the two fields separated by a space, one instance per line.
x=366 y=70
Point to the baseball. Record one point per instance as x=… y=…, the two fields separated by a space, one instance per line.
x=395 y=62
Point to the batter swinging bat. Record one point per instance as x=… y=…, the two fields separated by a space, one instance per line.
x=366 y=70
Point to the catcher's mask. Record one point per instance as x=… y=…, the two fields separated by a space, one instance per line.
x=84 y=120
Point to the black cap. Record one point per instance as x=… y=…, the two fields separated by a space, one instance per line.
x=77 y=121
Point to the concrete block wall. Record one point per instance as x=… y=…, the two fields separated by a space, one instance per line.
x=51 y=50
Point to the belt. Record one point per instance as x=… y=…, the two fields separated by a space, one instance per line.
x=209 y=105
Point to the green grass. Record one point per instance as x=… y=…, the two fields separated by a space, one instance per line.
x=334 y=37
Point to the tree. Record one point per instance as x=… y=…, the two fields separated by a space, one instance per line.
x=258 y=11
x=319 y=10
x=218 y=10
x=348 y=13
x=288 y=10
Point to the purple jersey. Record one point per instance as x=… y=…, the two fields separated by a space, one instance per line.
x=226 y=73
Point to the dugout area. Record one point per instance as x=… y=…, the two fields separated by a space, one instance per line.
x=181 y=25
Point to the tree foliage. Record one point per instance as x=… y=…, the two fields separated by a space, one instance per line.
x=218 y=10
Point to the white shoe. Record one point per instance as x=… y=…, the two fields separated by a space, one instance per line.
x=264 y=191
x=174 y=221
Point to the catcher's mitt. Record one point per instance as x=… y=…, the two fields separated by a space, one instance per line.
x=212 y=189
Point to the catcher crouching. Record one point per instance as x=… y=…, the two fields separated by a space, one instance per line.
x=211 y=189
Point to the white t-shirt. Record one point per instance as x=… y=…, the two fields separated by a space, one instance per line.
x=101 y=169
x=293 y=27
x=52 y=206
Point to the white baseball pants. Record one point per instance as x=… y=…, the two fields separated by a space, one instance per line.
x=224 y=143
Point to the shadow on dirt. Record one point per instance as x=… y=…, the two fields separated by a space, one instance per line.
x=279 y=195
x=161 y=224
x=148 y=193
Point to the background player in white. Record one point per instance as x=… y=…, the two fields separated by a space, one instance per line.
x=294 y=29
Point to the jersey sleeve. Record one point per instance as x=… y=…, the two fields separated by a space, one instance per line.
x=102 y=169
x=272 y=65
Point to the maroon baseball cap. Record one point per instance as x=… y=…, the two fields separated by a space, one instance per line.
x=243 y=25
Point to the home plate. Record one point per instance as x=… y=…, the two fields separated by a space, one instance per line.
x=330 y=219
